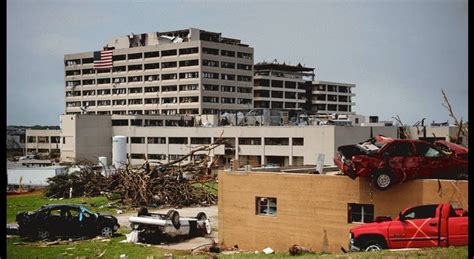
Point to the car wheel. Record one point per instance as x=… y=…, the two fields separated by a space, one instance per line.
x=174 y=217
x=382 y=180
x=43 y=234
x=201 y=216
x=373 y=246
x=106 y=232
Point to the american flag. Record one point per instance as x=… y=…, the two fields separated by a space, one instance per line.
x=103 y=59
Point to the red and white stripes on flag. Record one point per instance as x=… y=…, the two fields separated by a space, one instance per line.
x=103 y=59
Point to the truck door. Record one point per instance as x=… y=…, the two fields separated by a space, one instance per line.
x=415 y=228
x=457 y=229
x=401 y=160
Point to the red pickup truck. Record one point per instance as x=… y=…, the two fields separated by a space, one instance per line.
x=438 y=225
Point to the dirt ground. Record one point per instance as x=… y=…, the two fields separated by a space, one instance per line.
x=188 y=244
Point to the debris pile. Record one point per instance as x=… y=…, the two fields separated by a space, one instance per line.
x=170 y=184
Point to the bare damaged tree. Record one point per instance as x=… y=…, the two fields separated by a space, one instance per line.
x=462 y=130
x=403 y=131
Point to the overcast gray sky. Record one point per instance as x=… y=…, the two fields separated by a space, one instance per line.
x=400 y=54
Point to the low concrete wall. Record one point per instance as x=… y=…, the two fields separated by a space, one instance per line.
x=312 y=210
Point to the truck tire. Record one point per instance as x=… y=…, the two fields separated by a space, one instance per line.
x=174 y=217
x=373 y=246
x=142 y=212
x=382 y=180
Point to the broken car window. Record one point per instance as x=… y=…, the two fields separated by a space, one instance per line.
x=400 y=149
x=425 y=150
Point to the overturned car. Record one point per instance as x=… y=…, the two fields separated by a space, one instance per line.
x=156 y=226
x=64 y=220
x=390 y=161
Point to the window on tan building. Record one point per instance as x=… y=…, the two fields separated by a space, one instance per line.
x=360 y=213
x=266 y=206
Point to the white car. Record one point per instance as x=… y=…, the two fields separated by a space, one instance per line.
x=170 y=225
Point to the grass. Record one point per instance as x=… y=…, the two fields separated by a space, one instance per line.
x=17 y=248
x=30 y=202
x=208 y=186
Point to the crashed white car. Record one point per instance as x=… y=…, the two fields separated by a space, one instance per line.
x=170 y=225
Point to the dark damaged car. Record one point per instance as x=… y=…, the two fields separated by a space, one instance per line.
x=391 y=161
x=65 y=220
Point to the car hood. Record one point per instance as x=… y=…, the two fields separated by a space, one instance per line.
x=373 y=225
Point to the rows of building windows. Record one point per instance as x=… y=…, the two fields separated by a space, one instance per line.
x=207 y=140
x=333 y=88
x=166 y=53
x=279 y=84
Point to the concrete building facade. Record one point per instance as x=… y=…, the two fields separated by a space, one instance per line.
x=332 y=97
x=188 y=71
x=90 y=136
x=42 y=141
x=312 y=210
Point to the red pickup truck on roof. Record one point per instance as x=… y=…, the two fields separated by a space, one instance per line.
x=389 y=161
x=417 y=227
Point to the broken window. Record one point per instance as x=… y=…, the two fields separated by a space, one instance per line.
x=169 y=64
x=191 y=87
x=210 y=75
x=132 y=56
x=227 y=53
x=261 y=104
x=134 y=90
x=42 y=139
x=188 y=51
x=342 y=108
x=152 y=100
x=135 y=101
x=189 y=111
x=360 y=213
x=88 y=71
x=169 y=100
x=189 y=75
x=135 y=112
x=151 y=78
x=169 y=88
x=137 y=156
x=118 y=112
x=277 y=94
x=171 y=52
x=244 y=78
x=261 y=93
x=289 y=105
x=227 y=77
x=118 y=57
x=277 y=141
x=227 y=100
x=102 y=81
x=73 y=73
x=227 y=65
x=156 y=140
x=88 y=103
x=210 y=87
x=132 y=68
x=298 y=141
x=227 y=88
x=290 y=95
x=152 y=89
x=175 y=157
x=244 y=101
x=332 y=107
x=119 y=102
x=153 y=54
x=277 y=83
x=169 y=76
x=177 y=140
x=156 y=156
x=266 y=206
x=137 y=140
x=210 y=63
x=73 y=104
x=290 y=85
x=188 y=63
x=73 y=83
x=200 y=141
x=426 y=150
x=209 y=99
x=210 y=51
x=247 y=90
x=189 y=99
x=152 y=112
x=119 y=91
x=132 y=79
x=88 y=82
x=277 y=105
x=400 y=149
x=152 y=66
x=250 y=141
x=56 y=139
x=332 y=98
x=332 y=88
x=119 y=80
x=244 y=55
x=244 y=67
x=72 y=62
x=103 y=103
x=210 y=111
x=343 y=89
x=87 y=60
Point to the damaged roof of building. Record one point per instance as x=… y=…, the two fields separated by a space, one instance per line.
x=282 y=67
